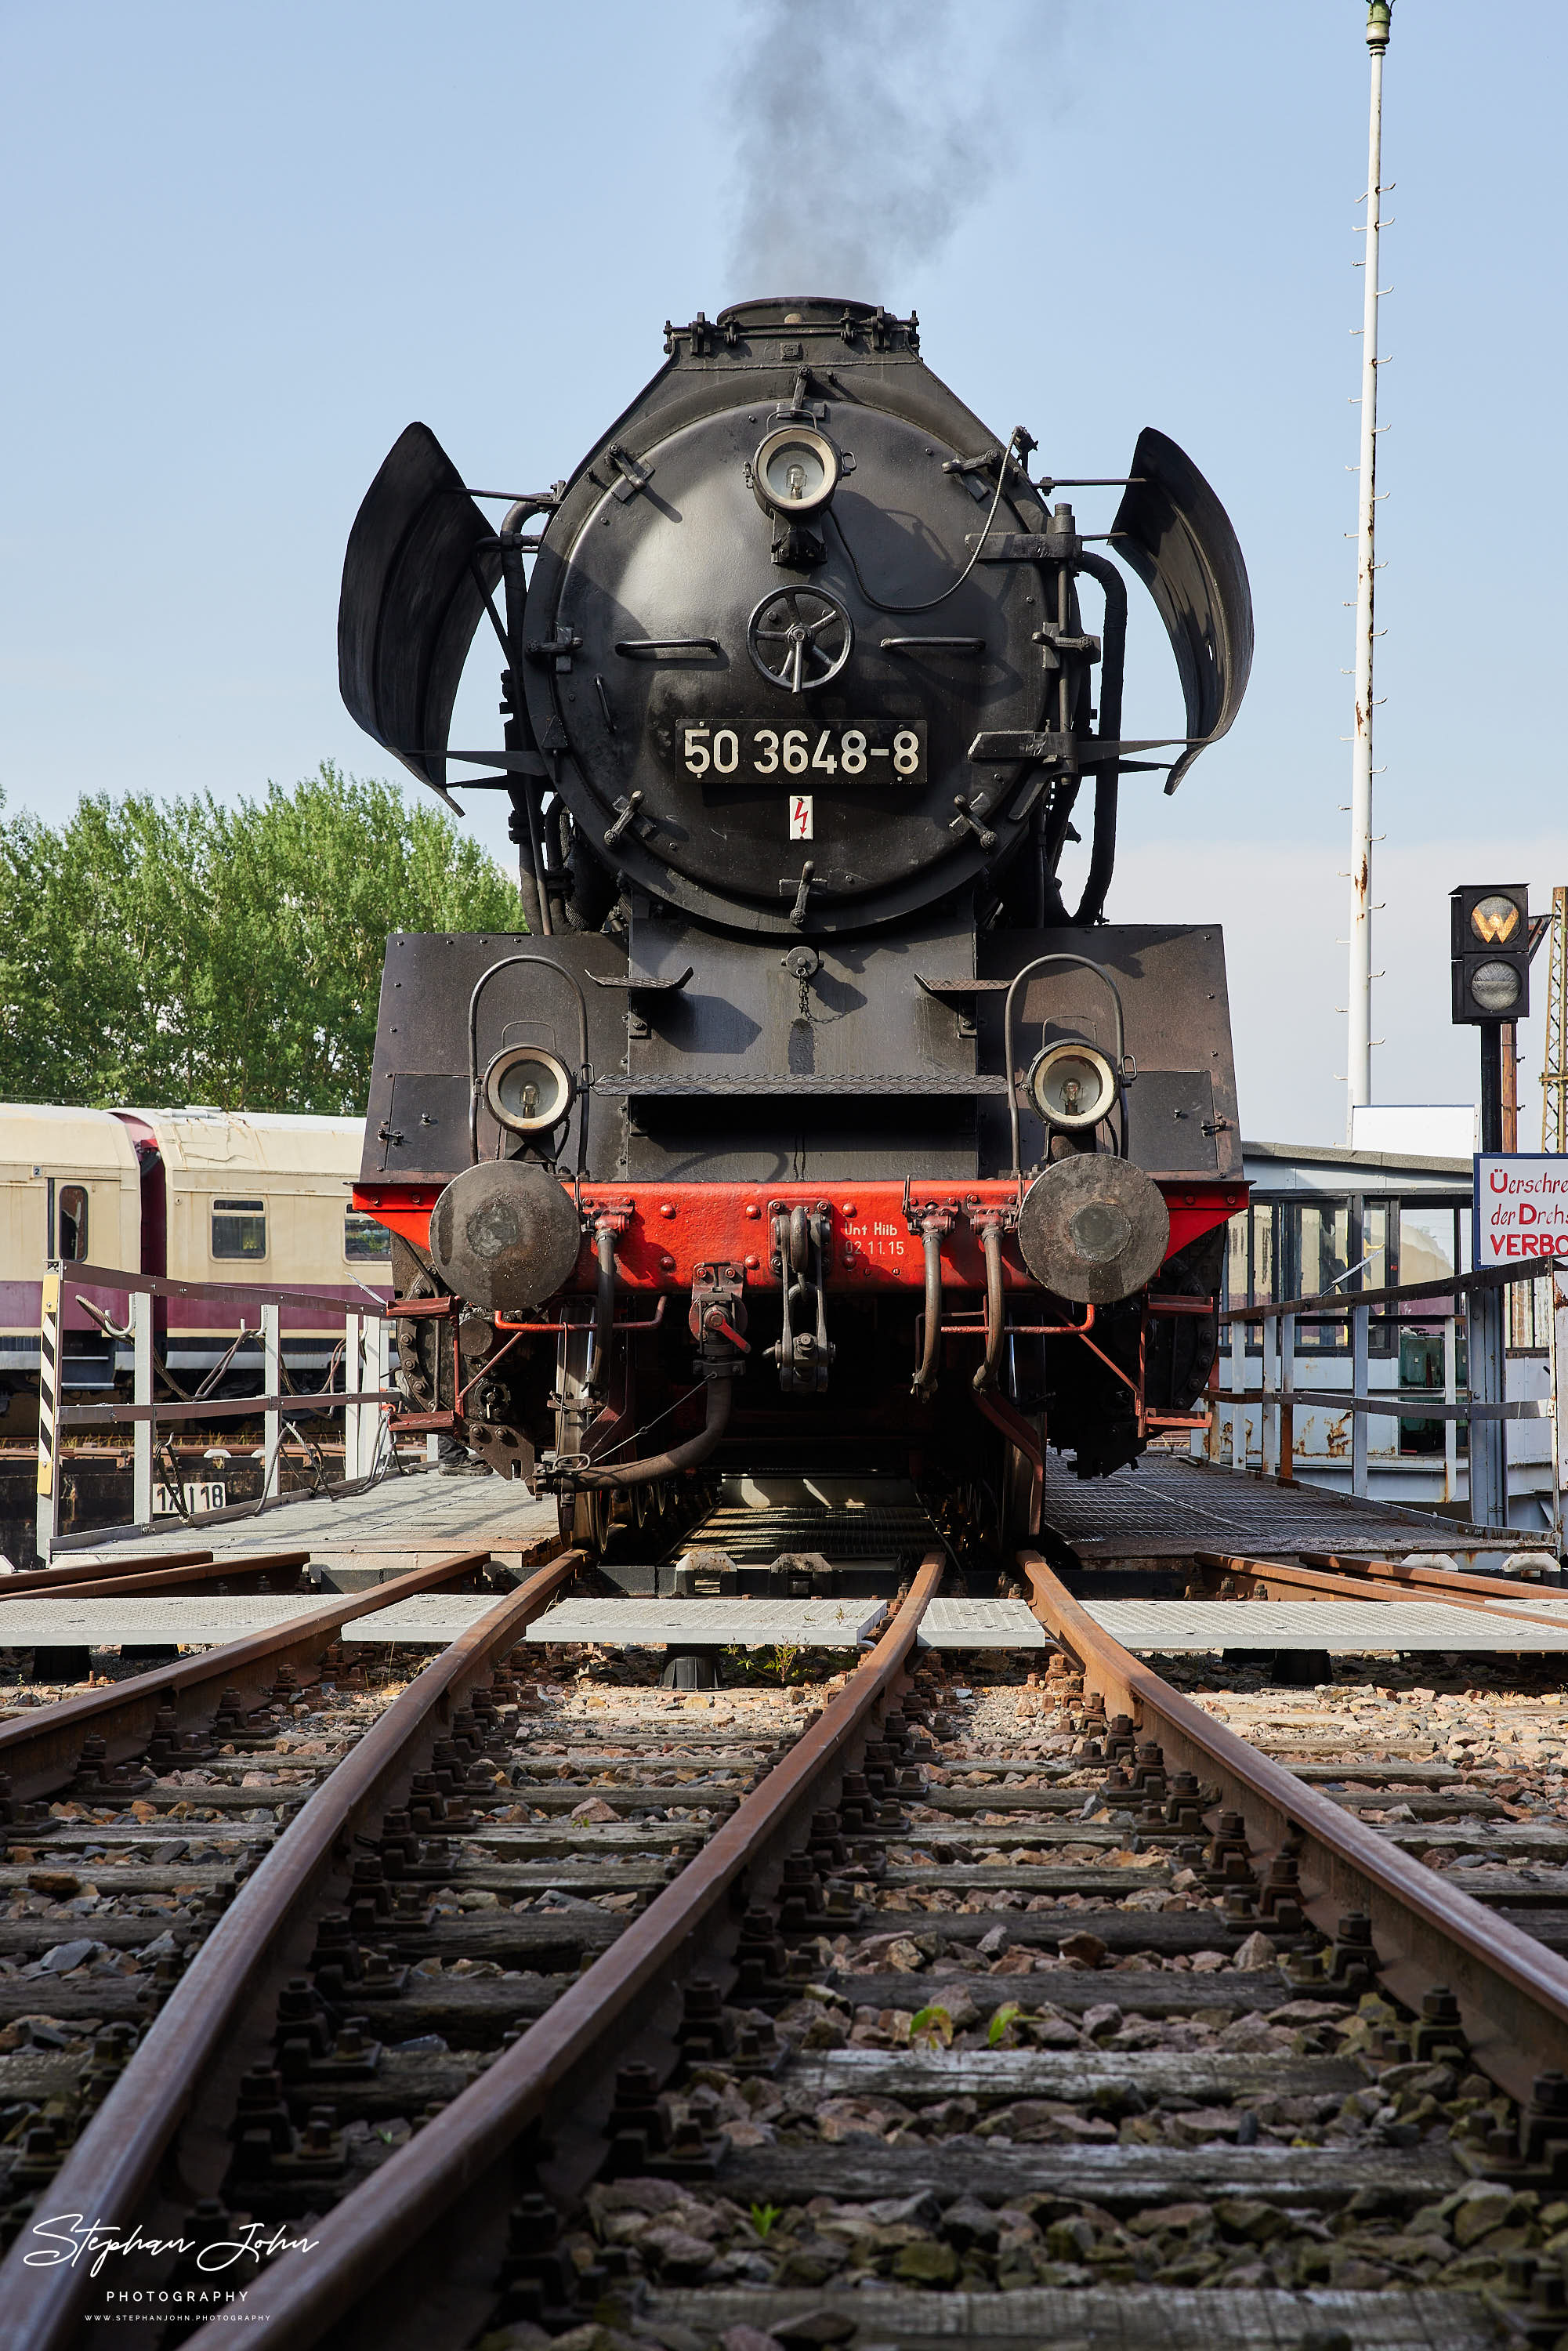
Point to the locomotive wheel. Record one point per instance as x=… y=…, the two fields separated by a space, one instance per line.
x=585 y=1518
x=1018 y=1502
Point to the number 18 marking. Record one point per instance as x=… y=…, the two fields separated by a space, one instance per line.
x=800 y=817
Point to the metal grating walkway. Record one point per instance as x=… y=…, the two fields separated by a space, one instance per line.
x=399 y=1524
x=756 y=1537
x=981 y=1625
x=710 y=1624
x=1343 y=1628
x=1169 y=1508
x=194 y=1620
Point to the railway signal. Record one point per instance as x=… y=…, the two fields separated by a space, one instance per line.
x=1490 y=944
x=1491 y=941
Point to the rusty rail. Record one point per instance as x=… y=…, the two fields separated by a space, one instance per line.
x=114 y=2163
x=361 y=2237
x=35 y=1580
x=104 y=1579
x=1428 y=1579
x=1326 y=1584
x=41 y=1748
x=1512 y=1991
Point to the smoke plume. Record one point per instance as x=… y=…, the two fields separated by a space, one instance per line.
x=869 y=129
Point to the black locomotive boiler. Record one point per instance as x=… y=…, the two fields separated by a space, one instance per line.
x=807 y=1124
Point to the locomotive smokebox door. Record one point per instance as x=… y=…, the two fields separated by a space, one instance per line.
x=757 y=617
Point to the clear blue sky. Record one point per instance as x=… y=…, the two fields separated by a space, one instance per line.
x=244 y=245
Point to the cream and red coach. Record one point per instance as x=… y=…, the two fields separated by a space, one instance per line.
x=207 y=1195
x=808 y=1124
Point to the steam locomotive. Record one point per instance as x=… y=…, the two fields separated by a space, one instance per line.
x=806 y=1124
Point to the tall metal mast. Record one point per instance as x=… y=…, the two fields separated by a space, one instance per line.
x=1358 y=1067
x=1554 y=1076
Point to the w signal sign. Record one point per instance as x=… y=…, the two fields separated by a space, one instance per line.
x=1491 y=948
x=1495 y=920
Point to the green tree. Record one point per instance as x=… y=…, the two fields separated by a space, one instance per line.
x=174 y=951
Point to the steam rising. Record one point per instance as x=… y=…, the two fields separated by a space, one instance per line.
x=869 y=128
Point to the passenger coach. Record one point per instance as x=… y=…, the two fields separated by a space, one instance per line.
x=204 y=1195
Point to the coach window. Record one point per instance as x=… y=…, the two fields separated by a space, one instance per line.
x=1321 y=1239
x=1429 y=1246
x=72 y=1224
x=1249 y=1264
x=239 y=1228
x=1375 y=1254
x=365 y=1242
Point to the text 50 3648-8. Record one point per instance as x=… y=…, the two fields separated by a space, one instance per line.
x=883 y=750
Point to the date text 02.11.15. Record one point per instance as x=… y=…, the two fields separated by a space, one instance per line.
x=878 y=751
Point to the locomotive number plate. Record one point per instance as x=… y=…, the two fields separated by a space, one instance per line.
x=882 y=750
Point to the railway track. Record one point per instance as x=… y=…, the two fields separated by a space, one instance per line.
x=1044 y=2009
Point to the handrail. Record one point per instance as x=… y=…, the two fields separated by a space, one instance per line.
x=1482 y=1401
x=1346 y=1302
x=161 y=1285
x=366 y=1400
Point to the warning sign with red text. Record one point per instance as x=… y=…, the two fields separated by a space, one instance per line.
x=1521 y=1207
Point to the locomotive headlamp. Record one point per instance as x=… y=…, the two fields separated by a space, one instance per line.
x=795 y=472
x=527 y=1090
x=1070 y=1086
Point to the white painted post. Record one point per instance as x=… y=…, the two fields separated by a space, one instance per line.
x=1269 y=1415
x=1451 y=1395
x=353 y=1381
x=1238 y=1382
x=354 y=1462
x=384 y=1379
x=373 y=1355
x=272 y=1418
x=1358 y=1066
x=142 y=1436
x=1287 y=1393
x=49 y=1520
x=1360 y=1322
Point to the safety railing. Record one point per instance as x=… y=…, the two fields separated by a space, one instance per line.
x=1481 y=1401
x=365 y=1399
